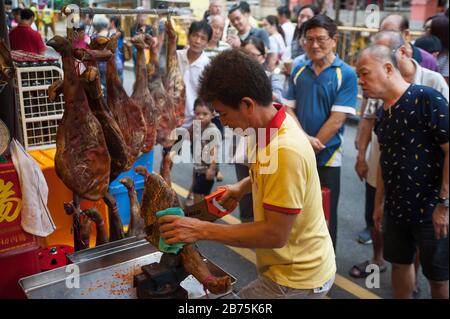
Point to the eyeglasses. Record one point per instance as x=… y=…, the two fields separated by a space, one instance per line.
x=319 y=40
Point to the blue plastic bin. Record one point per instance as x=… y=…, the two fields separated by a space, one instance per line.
x=120 y=192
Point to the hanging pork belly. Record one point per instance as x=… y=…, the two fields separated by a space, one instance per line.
x=82 y=159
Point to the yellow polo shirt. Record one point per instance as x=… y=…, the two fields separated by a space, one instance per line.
x=285 y=180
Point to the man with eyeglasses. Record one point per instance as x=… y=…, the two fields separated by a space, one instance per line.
x=322 y=93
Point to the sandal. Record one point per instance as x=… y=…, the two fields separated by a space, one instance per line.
x=359 y=270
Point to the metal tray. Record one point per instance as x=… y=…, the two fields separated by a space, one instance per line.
x=106 y=272
x=107 y=249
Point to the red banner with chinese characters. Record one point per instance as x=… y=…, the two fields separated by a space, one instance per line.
x=13 y=238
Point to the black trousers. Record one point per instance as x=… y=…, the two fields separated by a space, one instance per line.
x=330 y=177
x=246 y=203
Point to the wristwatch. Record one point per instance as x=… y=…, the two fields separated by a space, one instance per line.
x=444 y=201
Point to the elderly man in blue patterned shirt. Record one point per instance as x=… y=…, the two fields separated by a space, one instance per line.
x=412 y=181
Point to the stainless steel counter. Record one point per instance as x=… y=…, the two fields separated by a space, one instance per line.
x=106 y=272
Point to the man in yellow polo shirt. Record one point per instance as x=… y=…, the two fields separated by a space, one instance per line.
x=295 y=256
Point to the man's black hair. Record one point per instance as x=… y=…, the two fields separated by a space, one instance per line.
x=235 y=8
x=439 y=28
x=429 y=43
x=163 y=5
x=313 y=8
x=199 y=102
x=201 y=26
x=284 y=10
x=8 y=3
x=404 y=24
x=245 y=7
x=26 y=14
x=257 y=42
x=116 y=21
x=232 y=76
x=16 y=11
x=321 y=21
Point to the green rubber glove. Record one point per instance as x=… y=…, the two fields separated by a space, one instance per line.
x=175 y=248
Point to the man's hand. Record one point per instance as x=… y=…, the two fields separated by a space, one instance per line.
x=440 y=221
x=378 y=218
x=230 y=199
x=234 y=41
x=177 y=229
x=210 y=173
x=316 y=144
x=361 y=168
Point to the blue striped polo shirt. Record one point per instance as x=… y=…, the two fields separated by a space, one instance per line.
x=314 y=97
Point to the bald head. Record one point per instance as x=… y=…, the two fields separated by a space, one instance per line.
x=394 y=22
x=215 y=7
x=393 y=40
x=217 y=19
x=380 y=53
x=377 y=70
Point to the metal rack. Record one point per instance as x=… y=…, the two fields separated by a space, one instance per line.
x=39 y=117
x=160 y=12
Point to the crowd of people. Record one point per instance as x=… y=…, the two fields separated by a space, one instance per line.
x=404 y=123
x=402 y=140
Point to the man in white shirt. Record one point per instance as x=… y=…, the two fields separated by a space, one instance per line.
x=192 y=61
x=284 y=17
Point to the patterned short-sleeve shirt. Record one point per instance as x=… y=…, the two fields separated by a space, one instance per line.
x=411 y=133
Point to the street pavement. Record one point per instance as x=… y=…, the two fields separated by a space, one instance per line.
x=240 y=262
